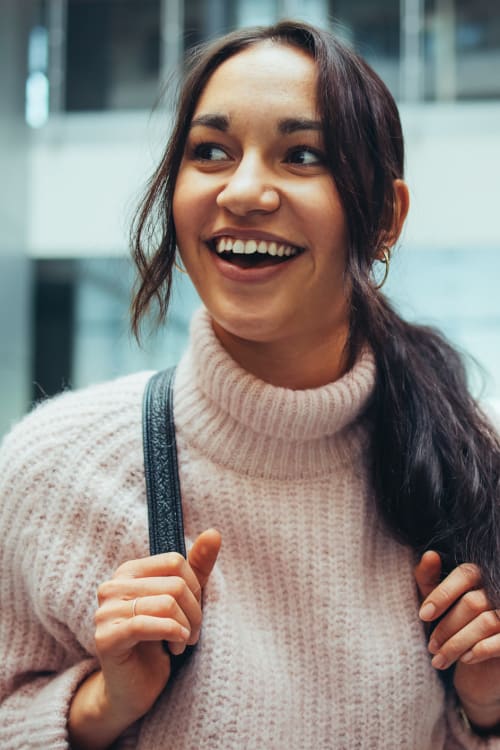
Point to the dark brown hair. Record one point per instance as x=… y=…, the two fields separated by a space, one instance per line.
x=435 y=460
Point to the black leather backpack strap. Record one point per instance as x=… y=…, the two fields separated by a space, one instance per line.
x=166 y=529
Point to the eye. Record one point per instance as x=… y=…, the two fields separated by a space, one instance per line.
x=304 y=155
x=209 y=152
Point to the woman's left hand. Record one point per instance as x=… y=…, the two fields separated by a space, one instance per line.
x=468 y=635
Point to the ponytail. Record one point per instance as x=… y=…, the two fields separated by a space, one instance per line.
x=435 y=456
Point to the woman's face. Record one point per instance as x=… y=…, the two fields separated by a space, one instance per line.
x=259 y=223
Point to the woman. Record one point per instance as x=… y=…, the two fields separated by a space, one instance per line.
x=334 y=447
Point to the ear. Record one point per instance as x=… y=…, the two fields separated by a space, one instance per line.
x=401 y=206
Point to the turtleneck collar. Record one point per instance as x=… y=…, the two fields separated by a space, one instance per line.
x=252 y=427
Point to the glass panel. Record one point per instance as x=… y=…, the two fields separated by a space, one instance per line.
x=256 y=13
x=112 y=54
x=311 y=11
x=439 y=287
x=455 y=290
x=203 y=21
x=103 y=346
x=462 y=49
x=478 y=49
x=374 y=30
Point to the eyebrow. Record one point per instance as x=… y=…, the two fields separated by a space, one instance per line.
x=217 y=122
x=286 y=126
x=293 y=124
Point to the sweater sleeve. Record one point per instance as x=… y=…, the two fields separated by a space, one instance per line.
x=72 y=509
x=34 y=715
x=41 y=660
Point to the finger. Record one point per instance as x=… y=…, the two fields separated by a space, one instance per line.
x=470 y=606
x=156 y=566
x=163 y=606
x=463 y=578
x=176 y=649
x=166 y=606
x=203 y=554
x=118 y=638
x=160 y=597
x=484 y=626
x=428 y=572
x=488 y=648
x=123 y=589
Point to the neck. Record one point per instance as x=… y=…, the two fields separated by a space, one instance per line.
x=293 y=364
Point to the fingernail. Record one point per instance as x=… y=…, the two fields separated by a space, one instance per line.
x=433 y=646
x=427 y=611
x=439 y=661
x=467 y=657
x=185 y=633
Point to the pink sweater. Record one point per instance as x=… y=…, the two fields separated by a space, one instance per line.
x=311 y=638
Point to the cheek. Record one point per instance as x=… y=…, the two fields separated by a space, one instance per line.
x=179 y=207
x=189 y=207
x=320 y=208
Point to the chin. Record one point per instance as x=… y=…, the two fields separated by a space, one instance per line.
x=247 y=326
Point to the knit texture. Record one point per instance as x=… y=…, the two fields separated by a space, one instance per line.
x=311 y=637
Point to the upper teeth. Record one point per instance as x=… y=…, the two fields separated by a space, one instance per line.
x=247 y=247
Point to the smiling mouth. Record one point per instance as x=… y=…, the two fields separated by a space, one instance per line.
x=253 y=253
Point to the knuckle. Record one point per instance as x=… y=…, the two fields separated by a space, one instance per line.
x=489 y=622
x=104 y=613
x=102 y=640
x=442 y=595
x=474 y=602
x=105 y=591
x=470 y=572
x=488 y=649
x=135 y=626
x=177 y=586
x=99 y=616
x=168 y=603
x=128 y=569
x=175 y=562
x=483 y=650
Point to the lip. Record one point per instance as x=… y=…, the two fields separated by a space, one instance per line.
x=248 y=275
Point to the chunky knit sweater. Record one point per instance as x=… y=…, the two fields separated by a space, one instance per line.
x=311 y=638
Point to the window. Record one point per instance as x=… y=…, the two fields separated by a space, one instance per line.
x=462 y=49
x=112 y=54
x=374 y=30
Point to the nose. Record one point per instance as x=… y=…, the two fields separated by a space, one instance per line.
x=249 y=189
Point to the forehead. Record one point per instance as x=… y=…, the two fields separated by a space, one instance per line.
x=266 y=77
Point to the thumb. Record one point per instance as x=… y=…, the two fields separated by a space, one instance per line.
x=203 y=554
x=428 y=572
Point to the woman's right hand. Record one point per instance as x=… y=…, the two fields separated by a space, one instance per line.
x=147 y=601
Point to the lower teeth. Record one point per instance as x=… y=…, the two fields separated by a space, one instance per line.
x=253 y=259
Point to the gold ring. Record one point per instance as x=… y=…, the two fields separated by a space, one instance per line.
x=134 y=603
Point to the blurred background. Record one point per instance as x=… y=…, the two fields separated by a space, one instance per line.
x=80 y=134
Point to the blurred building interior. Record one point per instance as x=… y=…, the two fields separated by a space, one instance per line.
x=85 y=116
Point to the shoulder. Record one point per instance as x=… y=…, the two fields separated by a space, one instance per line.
x=71 y=425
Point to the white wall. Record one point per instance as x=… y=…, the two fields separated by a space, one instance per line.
x=87 y=172
x=453 y=169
